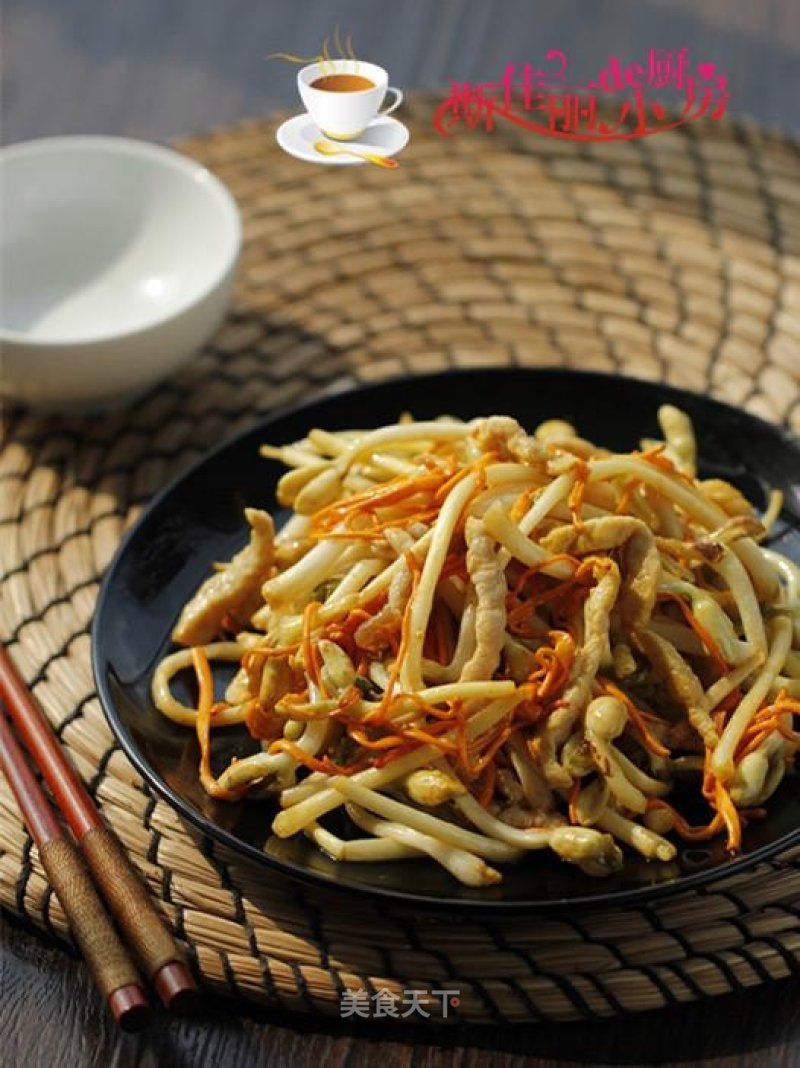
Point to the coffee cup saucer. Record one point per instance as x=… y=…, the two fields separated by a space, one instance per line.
x=384 y=136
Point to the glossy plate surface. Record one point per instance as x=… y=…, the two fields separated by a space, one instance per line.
x=198 y=519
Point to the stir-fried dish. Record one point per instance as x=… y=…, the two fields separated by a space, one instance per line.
x=479 y=641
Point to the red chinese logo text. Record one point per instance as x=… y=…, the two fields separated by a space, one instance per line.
x=622 y=102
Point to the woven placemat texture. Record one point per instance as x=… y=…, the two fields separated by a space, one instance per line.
x=675 y=258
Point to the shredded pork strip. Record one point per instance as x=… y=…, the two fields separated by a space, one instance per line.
x=485 y=568
x=235 y=590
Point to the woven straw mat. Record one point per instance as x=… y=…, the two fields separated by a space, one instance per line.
x=674 y=258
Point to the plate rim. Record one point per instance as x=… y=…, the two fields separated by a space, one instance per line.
x=319 y=880
x=282 y=138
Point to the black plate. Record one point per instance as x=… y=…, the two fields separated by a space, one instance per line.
x=198 y=519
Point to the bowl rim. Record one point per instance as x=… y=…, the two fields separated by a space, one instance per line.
x=162 y=156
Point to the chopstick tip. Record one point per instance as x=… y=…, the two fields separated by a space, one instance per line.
x=129 y=1007
x=176 y=988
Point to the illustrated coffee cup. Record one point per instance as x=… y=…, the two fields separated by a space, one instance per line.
x=343 y=96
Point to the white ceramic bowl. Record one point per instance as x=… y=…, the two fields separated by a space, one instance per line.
x=117 y=259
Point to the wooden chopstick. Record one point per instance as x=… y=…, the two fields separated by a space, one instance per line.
x=91 y=925
x=124 y=893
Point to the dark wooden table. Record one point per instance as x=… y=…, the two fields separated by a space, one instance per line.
x=159 y=70
x=51 y=1016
